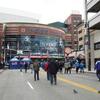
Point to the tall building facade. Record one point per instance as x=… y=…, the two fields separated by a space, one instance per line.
x=81 y=36
x=72 y=22
x=92 y=6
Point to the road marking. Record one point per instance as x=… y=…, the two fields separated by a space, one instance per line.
x=79 y=85
x=30 y=85
x=82 y=86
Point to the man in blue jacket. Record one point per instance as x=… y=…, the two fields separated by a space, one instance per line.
x=97 y=68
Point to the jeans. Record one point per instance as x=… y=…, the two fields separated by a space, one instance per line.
x=53 y=79
x=36 y=75
x=48 y=75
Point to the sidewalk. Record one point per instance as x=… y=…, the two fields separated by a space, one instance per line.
x=86 y=71
x=92 y=71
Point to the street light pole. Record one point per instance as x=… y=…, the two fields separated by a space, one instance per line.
x=87 y=46
x=4 y=45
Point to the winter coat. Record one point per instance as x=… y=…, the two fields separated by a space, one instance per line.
x=52 y=67
x=36 y=66
x=26 y=65
x=97 y=65
x=67 y=65
x=77 y=65
x=46 y=66
x=82 y=65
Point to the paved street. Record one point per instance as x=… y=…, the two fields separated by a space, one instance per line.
x=16 y=85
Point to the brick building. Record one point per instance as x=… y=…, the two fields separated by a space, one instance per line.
x=72 y=22
x=33 y=40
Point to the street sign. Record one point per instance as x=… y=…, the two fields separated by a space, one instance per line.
x=19 y=52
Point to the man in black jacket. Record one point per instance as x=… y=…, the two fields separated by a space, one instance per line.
x=53 y=69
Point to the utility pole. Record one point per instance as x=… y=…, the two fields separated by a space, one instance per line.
x=4 y=44
x=87 y=33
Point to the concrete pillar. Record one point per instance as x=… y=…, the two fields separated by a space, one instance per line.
x=92 y=51
x=87 y=47
x=86 y=56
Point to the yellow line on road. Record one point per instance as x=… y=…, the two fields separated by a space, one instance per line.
x=78 y=85
x=85 y=87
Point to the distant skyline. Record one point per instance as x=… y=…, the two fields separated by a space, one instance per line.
x=47 y=11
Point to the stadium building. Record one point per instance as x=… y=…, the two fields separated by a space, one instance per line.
x=32 y=40
x=22 y=36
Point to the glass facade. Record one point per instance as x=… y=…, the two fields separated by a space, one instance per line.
x=36 y=45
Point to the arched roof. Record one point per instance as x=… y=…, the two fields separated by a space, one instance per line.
x=32 y=29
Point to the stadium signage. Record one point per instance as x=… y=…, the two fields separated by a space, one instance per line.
x=40 y=31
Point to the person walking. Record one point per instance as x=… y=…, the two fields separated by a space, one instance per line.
x=36 y=70
x=97 y=68
x=31 y=67
x=26 y=66
x=68 y=67
x=77 y=65
x=46 y=69
x=82 y=66
x=53 y=69
x=61 y=65
x=21 y=66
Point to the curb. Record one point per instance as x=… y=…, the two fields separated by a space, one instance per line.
x=86 y=71
x=90 y=72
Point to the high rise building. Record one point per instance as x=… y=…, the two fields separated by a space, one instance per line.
x=72 y=22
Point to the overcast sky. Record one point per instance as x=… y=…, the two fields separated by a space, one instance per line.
x=48 y=10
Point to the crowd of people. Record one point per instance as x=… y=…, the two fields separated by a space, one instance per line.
x=52 y=66
x=77 y=64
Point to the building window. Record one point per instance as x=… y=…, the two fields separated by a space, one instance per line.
x=75 y=42
x=74 y=21
x=80 y=47
x=80 y=31
x=97 y=46
x=74 y=25
x=80 y=39
x=75 y=30
x=78 y=21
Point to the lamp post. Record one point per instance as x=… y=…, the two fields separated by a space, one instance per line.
x=87 y=46
x=9 y=50
x=4 y=44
